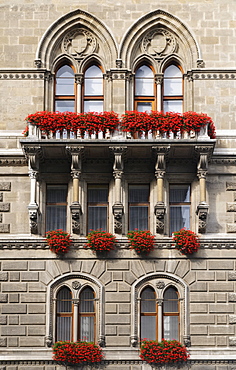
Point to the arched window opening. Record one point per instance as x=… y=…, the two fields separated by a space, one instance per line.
x=65 y=89
x=173 y=89
x=87 y=315
x=171 y=314
x=93 y=89
x=64 y=315
x=144 y=89
x=149 y=327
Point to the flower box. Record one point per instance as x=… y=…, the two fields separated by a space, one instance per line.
x=100 y=241
x=59 y=241
x=77 y=353
x=142 y=241
x=164 y=352
x=186 y=241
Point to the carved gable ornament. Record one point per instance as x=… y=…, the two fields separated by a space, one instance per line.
x=159 y=43
x=79 y=43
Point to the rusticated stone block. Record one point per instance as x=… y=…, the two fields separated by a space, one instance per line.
x=4 y=228
x=231 y=228
x=4 y=207
x=5 y=186
x=230 y=186
x=232 y=297
x=231 y=207
x=3 y=320
x=3 y=342
x=232 y=275
x=232 y=341
x=232 y=319
x=3 y=276
x=3 y=298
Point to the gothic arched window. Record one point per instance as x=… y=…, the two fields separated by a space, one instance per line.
x=144 y=89
x=148 y=314
x=93 y=89
x=65 y=89
x=173 y=89
x=171 y=314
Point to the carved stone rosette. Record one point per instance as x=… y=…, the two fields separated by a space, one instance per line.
x=76 y=212
x=160 y=210
x=118 y=211
x=202 y=212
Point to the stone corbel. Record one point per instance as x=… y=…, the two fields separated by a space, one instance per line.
x=76 y=212
x=202 y=212
x=118 y=211
x=33 y=218
x=160 y=211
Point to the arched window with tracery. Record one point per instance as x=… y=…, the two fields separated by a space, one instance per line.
x=144 y=89
x=173 y=89
x=65 y=89
x=171 y=314
x=149 y=323
x=93 y=95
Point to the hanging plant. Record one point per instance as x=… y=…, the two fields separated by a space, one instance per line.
x=100 y=241
x=186 y=241
x=164 y=352
x=77 y=353
x=142 y=241
x=59 y=241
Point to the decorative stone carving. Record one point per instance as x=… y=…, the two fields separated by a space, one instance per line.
x=160 y=284
x=5 y=186
x=160 y=210
x=76 y=212
x=200 y=63
x=76 y=285
x=187 y=341
x=79 y=43
x=134 y=340
x=33 y=218
x=202 y=212
x=159 y=43
x=101 y=341
x=118 y=211
x=38 y=63
x=48 y=340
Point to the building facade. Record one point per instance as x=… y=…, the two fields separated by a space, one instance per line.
x=174 y=56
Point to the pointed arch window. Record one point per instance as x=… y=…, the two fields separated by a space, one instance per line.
x=173 y=89
x=93 y=89
x=149 y=316
x=171 y=314
x=87 y=315
x=65 y=89
x=144 y=89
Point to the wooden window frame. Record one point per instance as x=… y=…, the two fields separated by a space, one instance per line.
x=65 y=314
x=172 y=97
x=98 y=204
x=153 y=314
x=139 y=204
x=87 y=314
x=142 y=98
x=92 y=97
x=167 y=314
x=64 y=97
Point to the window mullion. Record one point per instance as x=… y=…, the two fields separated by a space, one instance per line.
x=159 y=319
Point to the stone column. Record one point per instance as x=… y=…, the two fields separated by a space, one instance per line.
x=160 y=170
x=76 y=210
x=159 y=313
x=159 y=80
x=118 y=208
x=75 y=319
x=78 y=102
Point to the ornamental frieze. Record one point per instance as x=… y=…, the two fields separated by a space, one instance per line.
x=79 y=43
x=159 y=43
x=21 y=76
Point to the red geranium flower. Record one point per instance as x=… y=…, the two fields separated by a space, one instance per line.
x=186 y=241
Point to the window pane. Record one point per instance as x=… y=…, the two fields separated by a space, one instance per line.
x=65 y=81
x=170 y=303
x=93 y=106
x=65 y=106
x=179 y=218
x=179 y=193
x=87 y=328
x=64 y=303
x=64 y=328
x=172 y=71
x=138 y=218
x=138 y=193
x=144 y=107
x=97 y=194
x=56 y=193
x=87 y=300
x=93 y=72
x=144 y=82
x=171 y=327
x=148 y=300
x=56 y=207
x=175 y=106
x=97 y=218
x=93 y=81
x=173 y=87
x=148 y=327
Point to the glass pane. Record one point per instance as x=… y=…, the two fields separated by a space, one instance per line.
x=138 y=217
x=93 y=72
x=65 y=72
x=64 y=303
x=56 y=193
x=55 y=212
x=138 y=193
x=144 y=87
x=170 y=303
x=87 y=300
x=87 y=328
x=64 y=106
x=97 y=194
x=179 y=218
x=97 y=217
x=173 y=87
x=63 y=328
x=65 y=81
x=171 y=327
x=179 y=193
x=148 y=300
x=144 y=107
x=93 y=87
x=148 y=327
x=175 y=106
x=144 y=72
x=93 y=106
x=172 y=71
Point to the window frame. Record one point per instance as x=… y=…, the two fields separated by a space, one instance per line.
x=145 y=98
x=94 y=97
x=176 y=204
x=139 y=204
x=64 y=97
x=97 y=204
x=56 y=203
x=172 y=97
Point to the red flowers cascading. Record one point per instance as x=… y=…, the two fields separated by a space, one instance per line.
x=99 y=241
x=186 y=241
x=59 y=241
x=166 y=351
x=71 y=353
x=141 y=241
